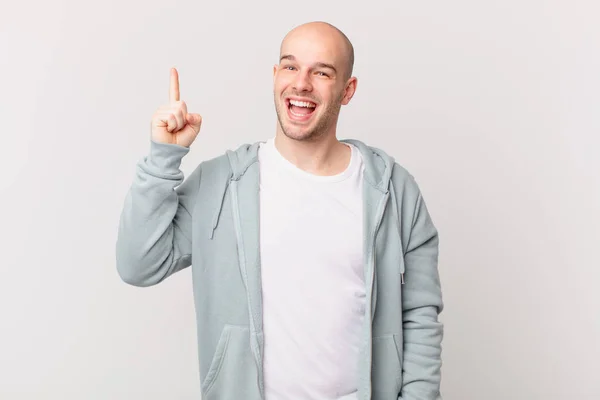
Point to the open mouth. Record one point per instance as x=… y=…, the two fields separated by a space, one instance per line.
x=300 y=110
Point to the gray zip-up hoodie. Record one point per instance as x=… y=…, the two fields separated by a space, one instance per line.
x=211 y=221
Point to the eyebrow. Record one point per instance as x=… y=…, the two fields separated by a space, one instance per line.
x=317 y=64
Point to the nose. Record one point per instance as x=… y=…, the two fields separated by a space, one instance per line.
x=302 y=82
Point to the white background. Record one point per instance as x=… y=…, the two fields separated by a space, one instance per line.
x=492 y=105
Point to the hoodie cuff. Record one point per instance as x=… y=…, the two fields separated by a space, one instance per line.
x=166 y=157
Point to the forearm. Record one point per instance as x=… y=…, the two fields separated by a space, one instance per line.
x=422 y=304
x=422 y=354
x=154 y=234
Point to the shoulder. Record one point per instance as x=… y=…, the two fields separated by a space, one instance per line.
x=403 y=179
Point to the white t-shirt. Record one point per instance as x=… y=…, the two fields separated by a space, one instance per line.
x=311 y=238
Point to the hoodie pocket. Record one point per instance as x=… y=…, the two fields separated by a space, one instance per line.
x=387 y=367
x=232 y=373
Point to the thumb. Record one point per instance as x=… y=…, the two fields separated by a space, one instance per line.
x=194 y=120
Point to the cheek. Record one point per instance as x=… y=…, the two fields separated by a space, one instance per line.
x=281 y=81
x=278 y=91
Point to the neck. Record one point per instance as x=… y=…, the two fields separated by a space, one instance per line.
x=323 y=156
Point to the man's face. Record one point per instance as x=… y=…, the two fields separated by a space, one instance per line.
x=309 y=85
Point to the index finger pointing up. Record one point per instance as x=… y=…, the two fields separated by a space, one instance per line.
x=174 y=91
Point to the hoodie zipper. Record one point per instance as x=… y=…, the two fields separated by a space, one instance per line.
x=254 y=345
x=379 y=217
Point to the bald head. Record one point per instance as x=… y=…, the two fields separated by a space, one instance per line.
x=315 y=67
x=324 y=32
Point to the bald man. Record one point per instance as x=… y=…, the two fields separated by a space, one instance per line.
x=314 y=260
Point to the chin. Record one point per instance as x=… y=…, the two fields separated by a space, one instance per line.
x=300 y=133
x=308 y=129
x=293 y=131
x=299 y=136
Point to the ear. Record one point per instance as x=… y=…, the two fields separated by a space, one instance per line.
x=350 y=90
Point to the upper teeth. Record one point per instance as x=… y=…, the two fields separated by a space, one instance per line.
x=302 y=103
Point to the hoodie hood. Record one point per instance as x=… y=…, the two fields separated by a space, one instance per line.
x=378 y=164
x=242 y=158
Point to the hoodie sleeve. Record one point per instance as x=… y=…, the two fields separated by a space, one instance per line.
x=155 y=226
x=421 y=305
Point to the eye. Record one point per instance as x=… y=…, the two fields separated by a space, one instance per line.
x=321 y=73
x=289 y=67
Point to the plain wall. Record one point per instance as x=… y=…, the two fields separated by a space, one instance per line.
x=492 y=106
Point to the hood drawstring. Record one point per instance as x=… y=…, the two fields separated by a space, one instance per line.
x=397 y=220
x=217 y=215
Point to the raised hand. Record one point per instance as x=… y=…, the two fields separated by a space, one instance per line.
x=171 y=123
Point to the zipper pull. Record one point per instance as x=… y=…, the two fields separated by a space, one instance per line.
x=402 y=278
